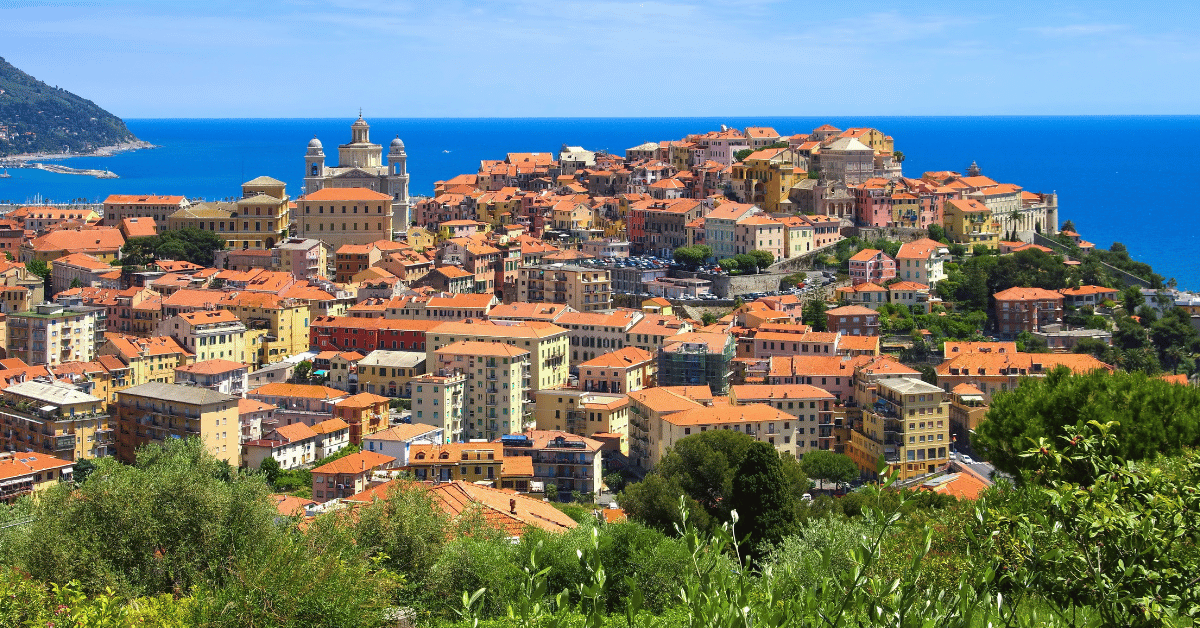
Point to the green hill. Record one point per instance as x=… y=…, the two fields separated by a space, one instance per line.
x=35 y=117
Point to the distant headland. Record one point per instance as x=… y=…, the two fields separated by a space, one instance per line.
x=43 y=122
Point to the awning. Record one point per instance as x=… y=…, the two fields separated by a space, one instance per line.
x=319 y=372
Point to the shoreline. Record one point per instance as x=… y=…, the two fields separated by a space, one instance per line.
x=103 y=151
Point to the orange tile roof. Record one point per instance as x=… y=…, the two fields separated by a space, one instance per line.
x=865 y=255
x=1019 y=293
x=468 y=347
x=304 y=391
x=103 y=239
x=966 y=389
x=621 y=358
x=749 y=413
x=22 y=464
x=919 y=249
x=144 y=199
x=295 y=432
x=859 y=343
x=1082 y=290
x=211 y=367
x=345 y=194
x=204 y=317
x=851 y=310
x=83 y=260
x=991 y=364
x=457 y=497
x=290 y=505
x=330 y=425
x=246 y=406
x=907 y=285
x=361 y=400
x=355 y=463
x=778 y=391
x=402 y=432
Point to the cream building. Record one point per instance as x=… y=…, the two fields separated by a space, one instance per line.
x=208 y=334
x=55 y=419
x=339 y=216
x=438 y=400
x=53 y=334
x=360 y=165
x=497 y=377
x=545 y=342
x=583 y=413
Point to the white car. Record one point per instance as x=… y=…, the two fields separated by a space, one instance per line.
x=967 y=459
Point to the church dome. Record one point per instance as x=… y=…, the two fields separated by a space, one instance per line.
x=314 y=143
x=397 y=144
x=359 y=122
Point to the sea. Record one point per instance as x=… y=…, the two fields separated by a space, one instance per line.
x=1118 y=178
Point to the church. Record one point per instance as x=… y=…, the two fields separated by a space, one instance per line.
x=360 y=165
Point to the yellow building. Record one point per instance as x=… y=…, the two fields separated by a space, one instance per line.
x=907 y=422
x=969 y=222
x=55 y=419
x=765 y=177
x=102 y=243
x=421 y=238
x=147 y=359
x=646 y=409
x=27 y=474
x=285 y=322
x=583 y=413
x=619 y=371
x=208 y=334
x=155 y=412
x=389 y=373
x=468 y=462
x=760 y=421
x=258 y=220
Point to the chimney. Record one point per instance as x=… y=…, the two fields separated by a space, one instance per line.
x=512 y=506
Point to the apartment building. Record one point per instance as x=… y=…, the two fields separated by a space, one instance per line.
x=154 y=412
x=340 y=216
x=209 y=334
x=498 y=376
x=347 y=476
x=812 y=407
x=871 y=266
x=619 y=371
x=24 y=474
x=583 y=413
x=546 y=343
x=397 y=441
x=438 y=399
x=1021 y=309
x=118 y=207
x=584 y=289
x=696 y=359
x=223 y=376
x=568 y=462
x=52 y=333
x=55 y=419
x=907 y=422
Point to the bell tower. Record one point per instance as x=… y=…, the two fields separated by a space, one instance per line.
x=398 y=184
x=314 y=166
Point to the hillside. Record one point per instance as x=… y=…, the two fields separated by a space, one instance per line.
x=36 y=117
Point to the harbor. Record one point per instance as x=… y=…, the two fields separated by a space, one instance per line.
x=56 y=168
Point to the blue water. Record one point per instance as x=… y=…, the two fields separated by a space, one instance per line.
x=1117 y=177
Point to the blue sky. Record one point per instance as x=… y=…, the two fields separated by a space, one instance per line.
x=528 y=58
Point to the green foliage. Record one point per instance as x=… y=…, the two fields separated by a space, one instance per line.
x=937 y=233
x=762 y=259
x=38 y=267
x=746 y=262
x=1068 y=226
x=729 y=265
x=41 y=118
x=270 y=469
x=766 y=509
x=1028 y=343
x=1155 y=417
x=189 y=244
x=793 y=280
x=830 y=466
x=692 y=256
x=708 y=318
x=302 y=370
x=813 y=315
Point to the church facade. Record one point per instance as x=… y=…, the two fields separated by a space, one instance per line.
x=361 y=165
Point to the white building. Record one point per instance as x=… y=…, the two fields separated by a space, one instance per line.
x=52 y=334
x=396 y=441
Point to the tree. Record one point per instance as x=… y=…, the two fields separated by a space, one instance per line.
x=1175 y=339
x=937 y=233
x=979 y=250
x=746 y=262
x=38 y=267
x=1155 y=416
x=729 y=265
x=1132 y=299
x=1096 y=348
x=302 y=370
x=898 y=156
x=957 y=250
x=742 y=154
x=1068 y=226
x=708 y=318
x=1028 y=343
x=692 y=256
x=269 y=467
x=766 y=510
x=763 y=259
x=827 y=465
x=75 y=283
x=813 y=315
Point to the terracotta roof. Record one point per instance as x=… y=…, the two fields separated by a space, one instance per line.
x=907 y=285
x=1019 y=293
x=498 y=349
x=83 y=260
x=866 y=255
x=851 y=310
x=361 y=400
x=403 y=432
x=295 y=432
x=330 y=425
x=750 y=413
x=211 y=367
x=992 y=364
x=778 y=391
x=144 y=199
x=497 y=506
x=355 y=463
x=290 y=505
x=305 y=391
x=967 y=389
x=103 y=239
x=246 y=406
x=22 y=464
x=345 y=194
x=919 y=249
x=622 y=358
x=859 y=343
x=204 y=317
x=513 y=466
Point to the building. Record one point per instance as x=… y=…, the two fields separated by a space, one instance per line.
x=870 y=295
x=360 y=165
x=102 y=243
x=333 y=435
x=498 y=376
x=967 y=410
x=56 y=420
x=546 y=343
x=292 y=446
x=146 y=359
x=390 y=373
x=853 y=320
x=347 y=476
x=24 y=474
x=618 y=372
x=871 y=266
x=304 y=258
x=696 y=359
x=568 y=462
x=154 y=412
x=999 y=372
x=1093 y=296
x=340 y=216
x=209 y=334
x=223 y=376
x=81 y=269
x=907 y=422
x=969 y=222
x=1021 y=309
x=761 y=422
x=922 y=261
x=583 y=288
x=910 y=294
x=118 y=207
x=1064 y=340
x=53 y=334
x=365 y=413
x=583 y=413
x=397 y=441
x=437 y=400
x=476 y=462
x=812 y=408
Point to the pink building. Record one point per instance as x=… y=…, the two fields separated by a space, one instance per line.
x=760 y=233
x=871 y=266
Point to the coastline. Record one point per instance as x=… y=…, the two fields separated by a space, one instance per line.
x=103 y=151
